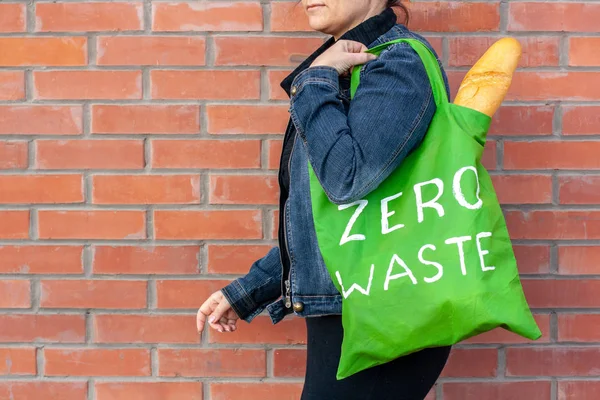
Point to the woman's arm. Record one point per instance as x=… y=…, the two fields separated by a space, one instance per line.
x=353 y=152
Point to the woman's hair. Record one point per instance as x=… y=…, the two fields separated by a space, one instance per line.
x=398 y=3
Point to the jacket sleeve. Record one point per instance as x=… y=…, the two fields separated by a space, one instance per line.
x=353 y=151
x=249 y=295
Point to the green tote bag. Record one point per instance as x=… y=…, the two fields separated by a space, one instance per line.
x=425 y=260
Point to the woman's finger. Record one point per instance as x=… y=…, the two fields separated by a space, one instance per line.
x=224 y=322
x=215 y=318
x=231 y=323
x=203 y=313
x=360 y=58
x=354 y=47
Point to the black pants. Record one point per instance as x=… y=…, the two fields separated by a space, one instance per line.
x=406 y=378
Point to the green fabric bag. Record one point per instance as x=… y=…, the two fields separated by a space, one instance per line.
x=425 y=260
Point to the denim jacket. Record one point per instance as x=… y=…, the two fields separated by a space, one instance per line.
x=352 y=147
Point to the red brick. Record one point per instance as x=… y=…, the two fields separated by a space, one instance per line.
x=523 y=120
x=90 y=154
x=447 y=16
x=578 y=260
x=532 y=259
x=579 y=390
x=186 y=294
x=275 y=78
x=208 y=16
x=289 y=363
x=145 y=189
x=233 y=259
x=579 y=189
x=12 y=83
x=221 y=154
x=472 y=363
x=145 y=260
x=289 y=17
x=436 y=43
x=557 y=86
x=145 y=119
x=553 y=225
x=40 y=189
x=73 y=85
x=502 y=336
x=431 y=394
x=489 y=159
x=269 y=51
x=12 y=17
x=151 y=50
x=42 y=328
x=523 y=189
x=88 y=17
x=206 y=85
x=41 y=259
x=255 y=391
x=13 y=155
x=43 y=51
x=101 y=224
x=15 y=293
x=579 y=327
x=40 y=120
x=43 y=390
x=581 y=120
x=93 y=294
x=17 y=361
x=551 y=155
x=275 y=227
x=148 y=390
x=242 y=189
x=145 y=329
x=274 y=148
x=583 y=51
x=455 y=79
x=97 y=362
x=202 y=225
x=537 y=51
x=262 y=330
x=247 y=119
x=538 y=390
x=555 y=361
x=212 y=363
x=530 y=16
x=15 y=224
x=562 y=293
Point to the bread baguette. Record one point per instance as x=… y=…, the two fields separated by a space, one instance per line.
x=487 y=83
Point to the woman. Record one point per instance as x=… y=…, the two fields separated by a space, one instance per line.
x=352 y=147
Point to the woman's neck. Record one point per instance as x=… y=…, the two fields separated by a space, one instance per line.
x=373 y=11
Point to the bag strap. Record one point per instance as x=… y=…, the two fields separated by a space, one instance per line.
x=430 y=63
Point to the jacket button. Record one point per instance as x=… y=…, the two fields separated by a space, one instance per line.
x=298 y=306
x=294 y=90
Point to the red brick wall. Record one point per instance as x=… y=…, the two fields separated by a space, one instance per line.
x=139 y=143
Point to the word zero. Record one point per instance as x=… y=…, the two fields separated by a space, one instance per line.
x=421 y=205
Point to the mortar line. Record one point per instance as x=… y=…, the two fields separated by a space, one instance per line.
x=39 y=361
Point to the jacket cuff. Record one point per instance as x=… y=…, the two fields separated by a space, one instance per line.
x=239 y=300
x=316 y=75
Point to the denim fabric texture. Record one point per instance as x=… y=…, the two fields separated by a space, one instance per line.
x=352 y=146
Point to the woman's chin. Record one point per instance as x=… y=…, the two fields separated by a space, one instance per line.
x=318 y=24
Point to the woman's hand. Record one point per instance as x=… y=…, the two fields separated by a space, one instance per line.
x=221 y=316
x=344 y=55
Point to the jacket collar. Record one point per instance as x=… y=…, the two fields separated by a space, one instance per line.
x=365 y=33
